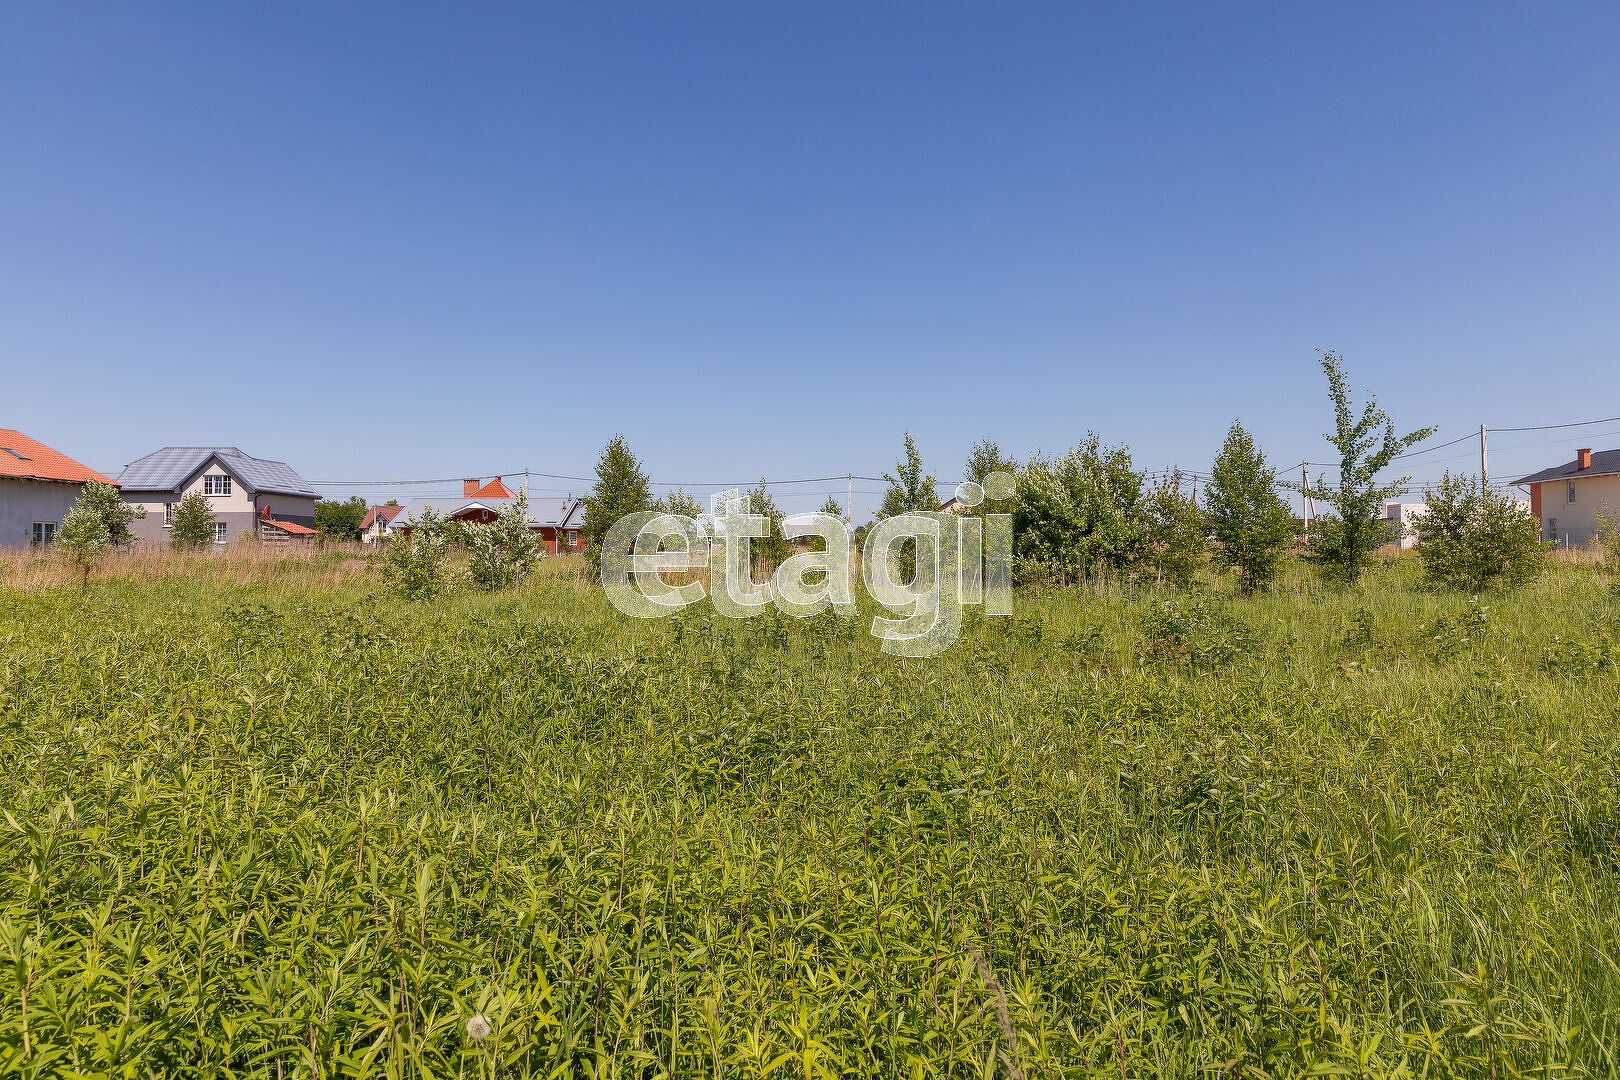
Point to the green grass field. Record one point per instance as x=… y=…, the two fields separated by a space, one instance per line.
x=273 y=828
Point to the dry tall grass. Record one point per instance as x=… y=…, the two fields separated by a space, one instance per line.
x=326 y=565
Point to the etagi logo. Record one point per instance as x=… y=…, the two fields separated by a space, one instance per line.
x=958 y=561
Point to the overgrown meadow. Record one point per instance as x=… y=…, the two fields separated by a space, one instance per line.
x=278 y=823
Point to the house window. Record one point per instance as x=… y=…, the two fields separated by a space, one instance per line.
x=573 y=537
x=44 y=532
x=1552 y=528
x=217 y=485
x=168 y=514
x=219 y=532
x=1571 y=499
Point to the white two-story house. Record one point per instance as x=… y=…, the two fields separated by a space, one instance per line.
x=238 y=487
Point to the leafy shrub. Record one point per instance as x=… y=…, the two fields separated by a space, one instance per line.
x=1196 y=632
x=1359 y=634
x=1471 y=538
x=1456 y=633
x=1579 y=657
x=415 y=560
x=505 y=551
x=1088 y=644
x=1608 y=536
x=1078 y=514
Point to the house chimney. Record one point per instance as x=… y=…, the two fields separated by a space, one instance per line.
x=1583 y=458
x=469 y=488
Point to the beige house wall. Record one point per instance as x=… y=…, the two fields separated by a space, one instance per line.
x=1576 y=521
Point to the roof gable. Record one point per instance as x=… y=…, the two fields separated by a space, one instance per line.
x=170 y=468
x=24 y=458
x=494 y=490
x=387 y=513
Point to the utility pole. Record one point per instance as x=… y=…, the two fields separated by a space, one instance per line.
x=1484 y=467
x=849 y=500
x=525 y=481
x=1304 y=495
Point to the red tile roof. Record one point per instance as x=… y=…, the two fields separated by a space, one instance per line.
x=291 y=527
x=387 y=513
x=494 y=490
x=29 y=459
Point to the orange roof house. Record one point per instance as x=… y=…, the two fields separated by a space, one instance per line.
x=377 y=521
x=23 y=458
x=38 y=485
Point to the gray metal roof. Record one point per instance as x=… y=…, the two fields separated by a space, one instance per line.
x=168 y=469
x=547 y=513
x=1604 y=463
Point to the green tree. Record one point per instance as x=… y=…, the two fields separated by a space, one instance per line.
x=1471 y=538
x=767 y=551
x=505 y=551
x=193 y=522
x=1251 y=523
x=680 y=503
x=83 y=537
x=108 y=506
x=97 y=523
x=341 y=520
x=1342 y=546
x=621 y=488
x=1178 y=535
x=909 y=488
x=833 y=508
x=986 y=458
x=1080 y=514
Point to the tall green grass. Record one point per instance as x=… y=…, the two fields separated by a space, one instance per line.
x=262 y=829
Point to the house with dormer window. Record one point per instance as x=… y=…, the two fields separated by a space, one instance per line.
x=244 y=492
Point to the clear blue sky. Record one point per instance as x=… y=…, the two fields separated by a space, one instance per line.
x=379 y=241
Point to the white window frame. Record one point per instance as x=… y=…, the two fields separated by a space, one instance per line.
x=573 y=537
x=169 y=510
x=44 y=533
x=222 y=533
x=216 y=483
x=1570 y=501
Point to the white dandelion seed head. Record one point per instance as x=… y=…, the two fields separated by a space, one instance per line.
x=478 y=1028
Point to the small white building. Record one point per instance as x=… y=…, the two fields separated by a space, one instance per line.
x=1402 y=518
